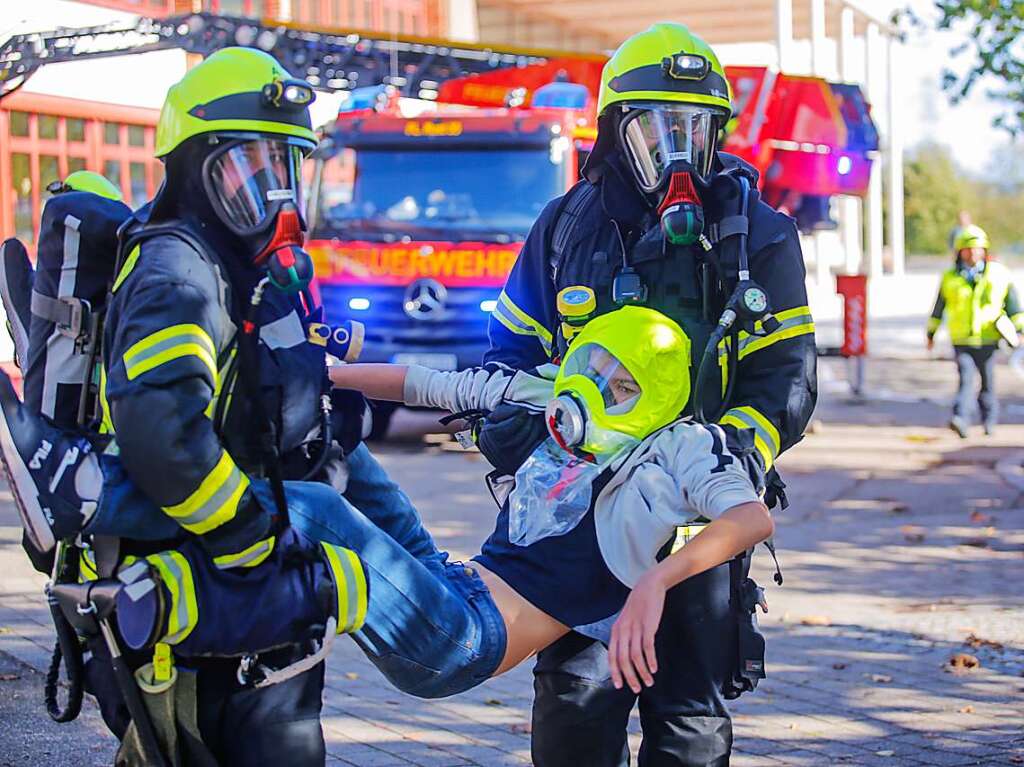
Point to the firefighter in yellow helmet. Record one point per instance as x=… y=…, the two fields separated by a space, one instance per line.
x=659 y=221
x=980 y=305
x=213 y=396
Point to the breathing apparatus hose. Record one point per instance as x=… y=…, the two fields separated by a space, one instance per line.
x=326 y=432
x=734 y=308
x=248 y=349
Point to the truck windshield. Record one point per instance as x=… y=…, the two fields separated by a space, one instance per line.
x=449 y=194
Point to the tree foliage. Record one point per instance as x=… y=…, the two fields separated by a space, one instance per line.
x=994 y=50
x=935 y=190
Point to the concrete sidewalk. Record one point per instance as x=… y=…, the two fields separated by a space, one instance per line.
x=903 y=549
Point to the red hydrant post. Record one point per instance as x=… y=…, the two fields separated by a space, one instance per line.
x=854 y=290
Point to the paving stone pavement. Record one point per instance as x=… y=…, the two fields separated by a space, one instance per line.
x=902 y=547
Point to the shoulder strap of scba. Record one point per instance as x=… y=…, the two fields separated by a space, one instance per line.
x=569 y=212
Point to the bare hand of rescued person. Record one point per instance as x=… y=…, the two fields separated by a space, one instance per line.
x=631 y=649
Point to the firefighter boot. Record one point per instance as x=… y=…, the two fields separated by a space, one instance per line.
x=54 y=474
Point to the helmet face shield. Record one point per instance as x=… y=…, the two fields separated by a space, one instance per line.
x=249 y=180
x=654 y=135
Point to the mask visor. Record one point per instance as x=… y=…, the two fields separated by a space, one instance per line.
x=249 y=181
x=655 y=136
x=618 y=388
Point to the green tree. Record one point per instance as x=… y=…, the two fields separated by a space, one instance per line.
x=993 y=45
x=933 y=194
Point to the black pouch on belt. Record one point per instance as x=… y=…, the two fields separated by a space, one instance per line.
x=745 y=595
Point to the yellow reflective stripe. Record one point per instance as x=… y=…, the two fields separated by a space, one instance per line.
x=518 y=321
x=177 y=577
x=216 y=499
x=248 y=557
x=349 y=585
x=766 y=436
x=792 y=323
x=106 y=423
x=361 y=590
x=127 y=267
x=169 y=344
x=87 y=566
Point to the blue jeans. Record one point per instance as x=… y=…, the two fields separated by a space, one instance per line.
x=983 y=360
x=431 y=625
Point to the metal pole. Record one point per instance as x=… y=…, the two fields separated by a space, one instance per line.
x=818 y=38
x=849 y=207
x=783 y=32
x=874 y=198
x=896 y=243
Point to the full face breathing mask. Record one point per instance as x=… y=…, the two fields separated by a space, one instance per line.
x=671 y=148
x=625 y=375
x=255 y=187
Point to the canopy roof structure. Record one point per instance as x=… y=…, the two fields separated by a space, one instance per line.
x=593 y=25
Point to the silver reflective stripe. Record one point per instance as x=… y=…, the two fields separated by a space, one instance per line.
x=168 y=343
x=283 y=333
x=180 y=604
x=133 y=572
x=350 y=591
x=63 y=366
x=792 y=322
x=526 y=330
x=259 y=550
x=214 y=503
x=769 y=440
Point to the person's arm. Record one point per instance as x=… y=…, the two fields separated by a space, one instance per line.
x=1013 y=308
x=161 y=361
x=710 y=483
x=479 y=388
x=631 y=655
x=776 y=379
x=936 y=317
x=520 y=327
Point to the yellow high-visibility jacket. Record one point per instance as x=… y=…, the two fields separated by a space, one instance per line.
x=971 y=304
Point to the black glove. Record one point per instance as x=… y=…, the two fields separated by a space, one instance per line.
x=741 y=444
x=508 y=435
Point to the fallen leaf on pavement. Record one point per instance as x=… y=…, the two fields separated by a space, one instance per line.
x=351 y=675
x=880 y=678
x=794 y=726
x=979 y=518
x=912 y=533
x=816 y=620
x=838 y=666
x=1017 y=759
x=9 y=677
x=976 y=641
x=887 y=752
x=921 y=438
x=523 y=728
x=493 y=702
x=978 y=543
x=966 y=710
x=962 y=662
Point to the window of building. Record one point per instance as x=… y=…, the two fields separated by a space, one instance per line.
x=112 y=170
x=75 y=128
x=136 y=135
x=49 y=170
x=76 y=164
x=48 y=126
x=19 y=123
x=137 y=186
x=111 y=133
x=21 y=186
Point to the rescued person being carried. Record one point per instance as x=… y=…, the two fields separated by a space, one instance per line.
x=578 y=539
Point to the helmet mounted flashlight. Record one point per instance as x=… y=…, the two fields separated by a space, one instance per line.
x=292 y=94
x=686 y=66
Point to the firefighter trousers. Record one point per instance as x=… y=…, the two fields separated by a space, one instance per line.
x=579 y=718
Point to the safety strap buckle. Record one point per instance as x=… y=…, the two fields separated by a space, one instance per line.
x=68 y=313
